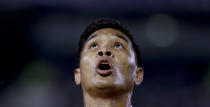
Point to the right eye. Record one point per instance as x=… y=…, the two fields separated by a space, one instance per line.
x=93 y=46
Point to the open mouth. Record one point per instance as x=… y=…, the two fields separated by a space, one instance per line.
x=104 y=68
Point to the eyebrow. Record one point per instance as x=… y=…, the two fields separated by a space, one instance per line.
x=91 y=37
x=120 y=36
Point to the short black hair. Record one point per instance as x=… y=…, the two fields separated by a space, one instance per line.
x=107 y=23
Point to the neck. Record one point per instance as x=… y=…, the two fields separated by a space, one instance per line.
x=114 y=101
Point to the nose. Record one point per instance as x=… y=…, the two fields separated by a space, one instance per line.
x=102 y=53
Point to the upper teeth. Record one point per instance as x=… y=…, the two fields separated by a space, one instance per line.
x=104 y=63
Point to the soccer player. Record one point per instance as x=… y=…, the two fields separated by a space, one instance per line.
x=109 y=65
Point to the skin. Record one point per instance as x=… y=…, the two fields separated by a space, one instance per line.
x=114 y=90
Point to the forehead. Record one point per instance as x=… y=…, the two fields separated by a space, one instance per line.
x=108 y=32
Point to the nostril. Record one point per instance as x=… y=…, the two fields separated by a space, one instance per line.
x=108 y=53
x=100 y=53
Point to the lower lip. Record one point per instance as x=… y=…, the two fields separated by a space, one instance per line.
x=104 y=73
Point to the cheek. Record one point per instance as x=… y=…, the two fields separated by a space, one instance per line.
x=88 y=59
x=122 y=59
x=126 y=66
x=87 y=65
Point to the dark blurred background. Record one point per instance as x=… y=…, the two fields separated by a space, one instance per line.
x=39 y=41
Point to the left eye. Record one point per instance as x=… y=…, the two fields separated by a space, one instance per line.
x=118 y=45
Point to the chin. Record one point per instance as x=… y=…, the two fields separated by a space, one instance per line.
x=104 y=82
x=106 y=87
x=109 y=90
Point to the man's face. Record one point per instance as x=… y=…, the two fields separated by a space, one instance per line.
x=108 y=62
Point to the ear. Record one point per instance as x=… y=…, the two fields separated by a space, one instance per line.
x=77 y=76
x=139 y=75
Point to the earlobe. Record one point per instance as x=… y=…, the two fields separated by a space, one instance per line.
x=139 y=75
x=77 y=76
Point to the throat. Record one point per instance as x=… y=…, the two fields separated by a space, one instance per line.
x=117 y=101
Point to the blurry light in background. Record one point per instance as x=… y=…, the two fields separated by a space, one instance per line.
x=34 y=87
x=38 y=73
x=161 y=30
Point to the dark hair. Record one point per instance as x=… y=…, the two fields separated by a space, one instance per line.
x=107 y=23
